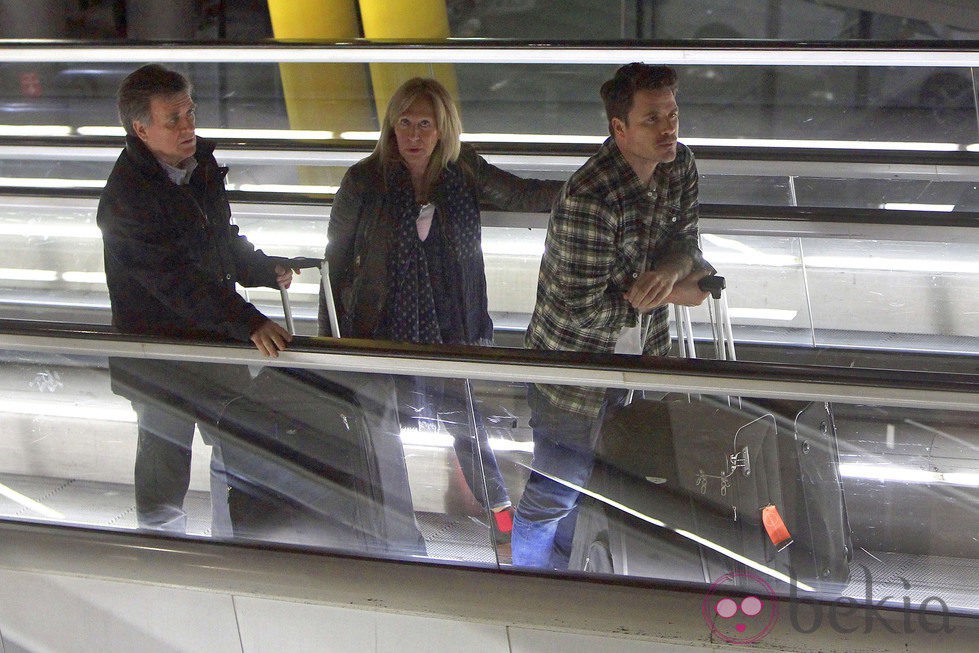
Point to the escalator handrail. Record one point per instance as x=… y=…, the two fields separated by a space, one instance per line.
x=785 y=216
x=910 y=388
x=870 y=155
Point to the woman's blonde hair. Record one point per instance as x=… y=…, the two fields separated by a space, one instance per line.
x=446 y=121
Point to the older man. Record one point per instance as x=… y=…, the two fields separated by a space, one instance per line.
x=172 y=259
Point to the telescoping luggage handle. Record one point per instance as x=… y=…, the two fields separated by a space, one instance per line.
x=720 y=319
x=305 y=262
x=302 y=263
x=720 y=323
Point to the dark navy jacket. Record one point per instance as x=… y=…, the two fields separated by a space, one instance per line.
x=172 y=256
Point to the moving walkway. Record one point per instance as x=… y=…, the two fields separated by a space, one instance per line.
x=836 y=299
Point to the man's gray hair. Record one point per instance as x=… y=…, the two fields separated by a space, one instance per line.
x=140 y=87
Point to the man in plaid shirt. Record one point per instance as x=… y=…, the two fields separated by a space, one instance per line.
x=622 y=242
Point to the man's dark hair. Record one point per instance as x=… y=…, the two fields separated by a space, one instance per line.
x=618 y=92
x=140 y=87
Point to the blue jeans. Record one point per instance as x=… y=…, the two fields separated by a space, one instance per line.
x=162 y=471
x=564 y=446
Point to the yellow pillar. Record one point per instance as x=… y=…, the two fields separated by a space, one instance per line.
x=405 y=20
x=333 y=97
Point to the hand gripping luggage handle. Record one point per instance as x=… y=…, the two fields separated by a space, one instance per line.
x=720 y=321
x=302 y=263
x=713 y=284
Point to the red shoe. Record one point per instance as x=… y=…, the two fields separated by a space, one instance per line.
x=503 y=525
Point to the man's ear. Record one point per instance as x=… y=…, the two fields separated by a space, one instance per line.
x=140 y=130
x=618 y=126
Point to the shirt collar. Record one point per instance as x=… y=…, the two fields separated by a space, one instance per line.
x=180 y=175
x=633 y=186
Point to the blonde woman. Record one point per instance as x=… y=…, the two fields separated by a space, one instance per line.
x=406 y=258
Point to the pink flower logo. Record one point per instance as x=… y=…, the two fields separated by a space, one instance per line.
x=741 y=619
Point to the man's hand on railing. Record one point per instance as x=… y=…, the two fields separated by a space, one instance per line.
x=693 y=289
x=270 y=338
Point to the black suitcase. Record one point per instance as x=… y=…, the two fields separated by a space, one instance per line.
x=315 y=458
x=696 y=487
x=696 y=467
x=681 y=489
x=813 y=493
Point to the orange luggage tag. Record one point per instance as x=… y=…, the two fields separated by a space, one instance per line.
x=775 y=527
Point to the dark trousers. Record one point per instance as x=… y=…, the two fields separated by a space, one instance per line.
x=171 y=398
x=162 y=471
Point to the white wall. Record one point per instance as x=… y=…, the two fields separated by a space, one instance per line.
x=64 y=590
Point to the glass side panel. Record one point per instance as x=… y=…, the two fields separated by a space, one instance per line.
x=751 y=190
x=804 y=498
x=766 y=287
x=368 y=464
x=816 y=106
x=596 y=20
x=711 y=19
x=54 y=270
x=843 y=293
x=895 y=295
x=888 y=293
x=895 y=194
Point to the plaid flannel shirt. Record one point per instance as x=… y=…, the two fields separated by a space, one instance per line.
x=605 y=229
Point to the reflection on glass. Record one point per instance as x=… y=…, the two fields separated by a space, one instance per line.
x=815 y=103
x=896 y=292
x=362 y=463
x=315 y=458
x=818 y=500
x=703 y=486
x=766 y=286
